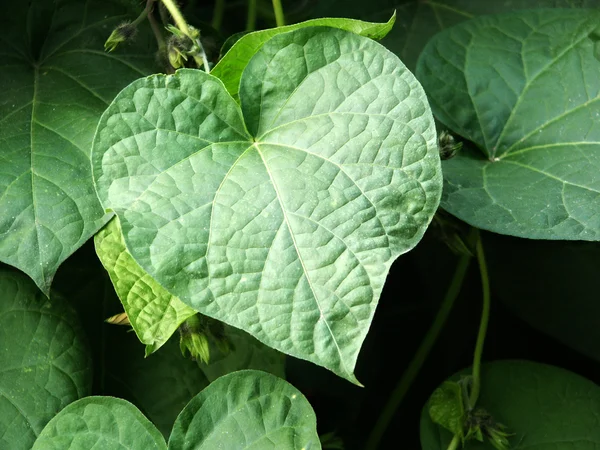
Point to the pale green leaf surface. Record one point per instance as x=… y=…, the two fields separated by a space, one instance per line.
x=525 y=88
x=544 y=406
x=44 y=362
x=100 y=423
x=153 y=312
x=287 y=233
x=246 y=410
x=55 y=80
x=230 y=68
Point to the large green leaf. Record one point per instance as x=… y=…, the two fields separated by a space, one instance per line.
x=44 y=362
x=247 y=410
x=153 y=312
x=524 y=87
x=419 y=20
x=55 y=81
x=100 y=423
x=230 y=68
x=287 y=232
x=545 y=407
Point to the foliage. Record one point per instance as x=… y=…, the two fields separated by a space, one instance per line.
x=249 y=210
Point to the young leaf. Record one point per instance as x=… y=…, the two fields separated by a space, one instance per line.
x=524 y=87
x=541 y=406
x=55 y=80
x=230 y=68
x=44 y=362
x=288 y=232
x=153 y=312
x=102 y=423
x=246 y=410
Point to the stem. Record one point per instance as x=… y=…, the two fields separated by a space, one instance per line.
x=485 y=318
x=145 y=13
x=160 y=39
x=454 y=443
x=177 y=17
x=279 y=17
x=423 y=351
x=251 y=20
x=218 y=14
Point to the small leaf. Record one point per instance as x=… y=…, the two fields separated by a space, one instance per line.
x=287 y=233
x=446 y=407
x=153 y=312
x=230 y=68
x=524 y=87
x=44 y=362
x=539 y=405
x=246 y=410
x=102 y=423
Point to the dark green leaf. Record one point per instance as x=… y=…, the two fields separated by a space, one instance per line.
x=446 y=407
x=44 y=362
x=55 y=80
x=524 y=87
x=544 y=406
x=100 y=423
x=288 y=232
x=247 y=410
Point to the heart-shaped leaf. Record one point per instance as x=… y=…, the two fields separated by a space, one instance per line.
x=102 y=423
x=524 y=87
x=230 y=68
x=288 y=232
x=542 y=406
x=44 y=362
x=247 y=410
x=56 y=80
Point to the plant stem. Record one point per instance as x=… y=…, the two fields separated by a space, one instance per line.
x=251 y=20
x=485 y=318
x=177 y=17
x=145 y=13
x=218 y=14
x=423 y=351
x=279 y=17
x=454 y=443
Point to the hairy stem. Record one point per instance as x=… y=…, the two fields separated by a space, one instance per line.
x=279 y=17
x=454 y=443
x=423 y=351
x=177 y=16
x=218 y=12
x=485 y=318
x=251 y=20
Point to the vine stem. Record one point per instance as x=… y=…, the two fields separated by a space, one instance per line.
x=454 y=443
x=218 y=14
x=177 y=17
x=251 y=20
x=483 y=325
x=278 y=9
x=421 y=355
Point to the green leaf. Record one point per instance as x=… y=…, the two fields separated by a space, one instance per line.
x=247 y=410
x=446 y=407
x=44 y=362
x=419 y=20
x=230 y=68
x=524 y=87
x=102 y=423
x=544 y=406
x=287 y=233
x=55 y=80
x=153 y=312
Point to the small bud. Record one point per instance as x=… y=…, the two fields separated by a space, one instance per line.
x=448 y=146
x=119 y=319
x=193 y=339
x=177 y=58
x=124 y=32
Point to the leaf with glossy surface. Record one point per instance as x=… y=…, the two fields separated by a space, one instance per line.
x=288 y=232
x=247 y=410
x=55 y=80
x=544 y=406
x=153 y=312
x=525 y=88
x=44 y=362
x=230 y=68
x=103 y=423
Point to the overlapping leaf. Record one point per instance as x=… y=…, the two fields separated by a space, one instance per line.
x=247 y=410
x=55 y=80
x=525 y=88
x=542 y=406
x=44 y=362
x=286 y=230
